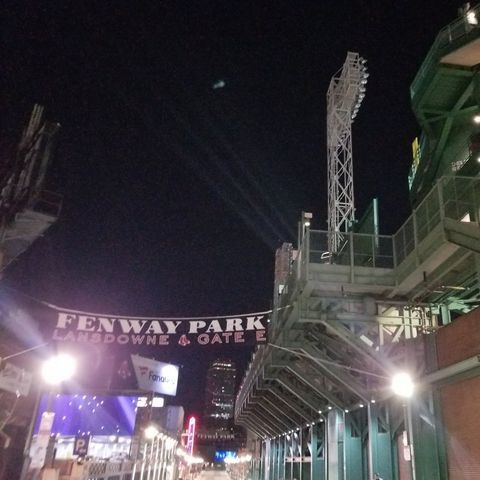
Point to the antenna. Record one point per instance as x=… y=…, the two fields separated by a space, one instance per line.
x=344 y=97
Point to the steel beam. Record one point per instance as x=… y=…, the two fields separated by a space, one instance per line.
x=257 y=427
x=290 y=405
x=291 y=388
x=269 y=414
x=267 y=423
x=351 y=339
x=282 y=412
x=253 y=427
x=309 y=381
x=340 y=375
x=267 y=404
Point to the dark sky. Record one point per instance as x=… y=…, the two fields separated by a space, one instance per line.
x=176 y=194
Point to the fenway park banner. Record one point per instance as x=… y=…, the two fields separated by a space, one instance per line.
x=64 y=325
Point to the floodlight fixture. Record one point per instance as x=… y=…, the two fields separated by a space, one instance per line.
x=402 y=385
x=306 y=218
x=476 y=119
x=472 y=18
x=343 y=102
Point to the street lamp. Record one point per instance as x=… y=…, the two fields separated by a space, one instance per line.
x=402 y=385
x=151 y=432
x=54 y=371
x=58 y=369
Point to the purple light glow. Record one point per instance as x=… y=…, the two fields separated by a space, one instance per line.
x=114 y=415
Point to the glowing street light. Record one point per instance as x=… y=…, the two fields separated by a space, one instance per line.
x=59 y=368
x=54 y=371
x=472 y=18
x=151 y=432
x=402 y=385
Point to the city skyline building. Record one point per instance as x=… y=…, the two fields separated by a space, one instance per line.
x=220 y=394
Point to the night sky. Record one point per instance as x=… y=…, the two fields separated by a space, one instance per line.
x=176 y=194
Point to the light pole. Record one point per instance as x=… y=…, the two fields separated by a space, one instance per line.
x=54 y=371
x=403 y=386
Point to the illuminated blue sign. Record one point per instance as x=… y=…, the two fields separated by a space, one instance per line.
x=221 y=455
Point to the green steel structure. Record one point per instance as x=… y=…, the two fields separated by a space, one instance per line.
x=445 y=97
x=317 y=398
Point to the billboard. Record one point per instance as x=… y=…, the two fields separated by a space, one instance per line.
x=154 y=376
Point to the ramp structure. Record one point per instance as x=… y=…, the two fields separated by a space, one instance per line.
x=317 y=398
x=26 y=210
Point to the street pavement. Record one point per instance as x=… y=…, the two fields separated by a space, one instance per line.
x=213 y=475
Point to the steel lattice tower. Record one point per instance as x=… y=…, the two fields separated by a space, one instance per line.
x=344 y=97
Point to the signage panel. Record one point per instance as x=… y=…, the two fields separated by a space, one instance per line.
x=14 y=379
x=38 y=449
x=80 y=447
x=155 y=376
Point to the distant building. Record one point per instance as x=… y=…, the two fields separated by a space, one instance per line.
x=220 y=395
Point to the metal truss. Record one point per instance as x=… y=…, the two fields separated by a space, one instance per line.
x=344 y=97
x=284 y=399
x=337 y=353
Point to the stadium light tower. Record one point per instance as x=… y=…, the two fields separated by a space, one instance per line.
x=344 y=97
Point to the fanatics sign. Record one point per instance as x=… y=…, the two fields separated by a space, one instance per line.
x=154 y=376
x=78 y=327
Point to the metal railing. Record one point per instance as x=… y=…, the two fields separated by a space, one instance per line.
x=454 y=31
x=356 y=250
x=454 y=197
x=49 y=203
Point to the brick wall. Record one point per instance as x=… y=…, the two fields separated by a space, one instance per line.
x=461 y=400
x=459 y=340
